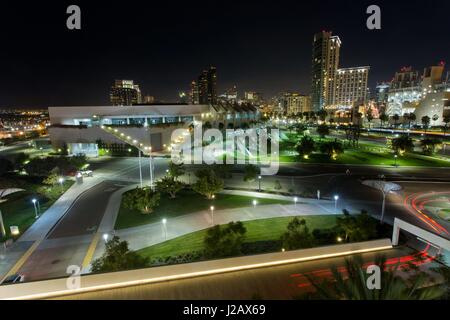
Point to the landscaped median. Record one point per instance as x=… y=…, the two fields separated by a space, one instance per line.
x=187 y=201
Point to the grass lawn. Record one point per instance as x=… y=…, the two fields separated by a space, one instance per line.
x=18 y=210
x=187 y=201
x=257 y=230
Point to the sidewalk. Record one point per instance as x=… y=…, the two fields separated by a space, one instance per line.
x=147 y=235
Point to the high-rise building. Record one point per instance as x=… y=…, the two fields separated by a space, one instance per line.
x=325 y=62
x=125 y=93
x=294 y=103
x=205 y=87
x=252 y=97
x=230 y=95
x=381 y=93
x=194 y=93
x=350 y=86
x=404 y=92
x=149 y=99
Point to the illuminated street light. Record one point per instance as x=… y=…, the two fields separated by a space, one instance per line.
x=105 y=237
x=61 y=182
x=36 y=215
x=259 y=183
x=295 y=200
x=395 y=159
x=164 y=221
x=255 y=203
x=212 y=215
x=336 y=198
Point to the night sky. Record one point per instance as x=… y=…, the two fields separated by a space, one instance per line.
x=262 y=46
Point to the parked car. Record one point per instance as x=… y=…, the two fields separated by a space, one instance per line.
x=86 y=173
x=15 y=278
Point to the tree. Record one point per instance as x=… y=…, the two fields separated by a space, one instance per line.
x=402 y=144
x=20 y=160
x=426 y=123
x=411 y=118
x=176 y=170
x=5 y=166
x=332 y=149
x=169 y=186
x=351 y=283
x=446 y=120
x=142 y=199
x=250 y=173
x=429 y=145
x=51 y=180
x=207 y=125
x=396 y=118
x=208 y=184
x=306 y=146
x=277 y=185
x=297 y=235
x=384 y=118
x=357 y=228
x=369 y=116
x=118 y=257
x=322 y=114
x=224 y=241
x=323 y=130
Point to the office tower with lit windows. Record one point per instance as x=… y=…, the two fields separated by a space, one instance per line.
x=125 y=93
x=325 y=62
x=204 y=90
x=350 y=86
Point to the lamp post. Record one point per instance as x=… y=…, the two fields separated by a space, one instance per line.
x=61 y=182
x=336 y=198
x=164 y=221
x=395 y=159
x=255 y=203
x=35 y=208
x=140 y=168
x=212 y=215
x=295 y=201
x=150 y=160
x=259 y=183
x=105 y=237
x=2 y=225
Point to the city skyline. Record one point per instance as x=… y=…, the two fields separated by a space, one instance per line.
x=254 y=47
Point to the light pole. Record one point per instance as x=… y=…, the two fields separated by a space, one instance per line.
x=395 y=159
x=2 y=225
x=105 y=237
x=295 y=201
x=61 y=181
x=259 y=183
x=212 y=215
x=164 y=221
x=140 y=168
x=336 y=198
x=35 y=209
x=255 y=203
x=150 y=160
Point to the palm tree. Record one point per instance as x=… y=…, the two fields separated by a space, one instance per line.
x=411 y=118
x=369 y=116
x=426 y=122
x=384 y=118
x=354 y=285
x=395 y=117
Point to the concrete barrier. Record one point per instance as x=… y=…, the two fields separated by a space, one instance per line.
x=58 y=287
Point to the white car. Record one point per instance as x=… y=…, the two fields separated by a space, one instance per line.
x=87 y=173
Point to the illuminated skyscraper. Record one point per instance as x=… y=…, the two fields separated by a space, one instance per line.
x=205 y=88
x=125 y=93
x=325 y=62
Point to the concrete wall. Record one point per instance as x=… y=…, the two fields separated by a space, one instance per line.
x=58 y=287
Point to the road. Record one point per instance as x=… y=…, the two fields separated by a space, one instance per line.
x=279 y=282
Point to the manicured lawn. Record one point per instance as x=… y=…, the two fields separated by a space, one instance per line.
x=18 y=210
x=257 y=230
x=187 y=201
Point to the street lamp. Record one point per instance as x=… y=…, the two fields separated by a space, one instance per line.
x=395 y=159
x=36 y=215
x=259 y=183
x=212 y=214
x=61 y=181
x=295 y=200
x=105 y=237
x=140 y=168
x=336 y=198
x=164 y=221
x=255 y=203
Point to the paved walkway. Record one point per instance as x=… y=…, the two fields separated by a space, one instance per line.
x=150 y=234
